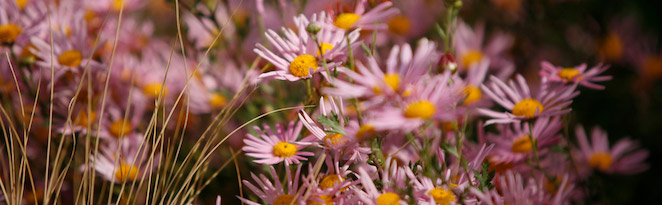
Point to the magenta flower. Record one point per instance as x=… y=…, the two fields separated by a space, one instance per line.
x=274 y=192
x=363 y=19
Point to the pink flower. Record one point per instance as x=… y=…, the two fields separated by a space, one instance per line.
x=124 y=162
x=470 y=48
x=577 y=74
x=366 y=20
x=513 y=144
x=522 y=105
x=620 y=159
x=299 y=55
x=275 y=147
x=273 y=192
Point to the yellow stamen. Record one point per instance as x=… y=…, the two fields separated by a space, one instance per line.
x=330 y=181
x=217 y=100
x=84 y=119
x=153 y=90
x=527 y=108
x=71 y=58
x=442 y=196
x=399 y=25
x=120 y=128
x=346 y=20
x=301 y=65
x=325 y=47
x=473 y=94
x=21 y=3
x=471 y=57
x=126 y=172
x=421 y=109
x=522 y=145
x=388 y=198
x=284 y=150
x=327 y=200
x=600 y=160
x=284 y=200
x=334 y=139
x=117 y=5
x=9 y=33
x=365 y=132
x=612 y=47
x=653 y=66
x=569 y=73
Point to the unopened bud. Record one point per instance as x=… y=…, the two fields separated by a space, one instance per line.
x=447 y=62
x=313 y=28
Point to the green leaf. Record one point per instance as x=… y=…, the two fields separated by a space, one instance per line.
x=331 y=123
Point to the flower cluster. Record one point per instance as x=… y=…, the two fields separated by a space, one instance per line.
x=350 y=102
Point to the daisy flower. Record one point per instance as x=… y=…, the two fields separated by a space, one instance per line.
x=430 y=98
x=404 y=67
x=203 y=31
x=619 y=159
x=366 y=20
x=299 y=56
x=129 y=163
x=516 y=191
x=578 y=74
x=513 y=143
x=522 y=105
x=274 y=192
x=392 y=178
x=470 y=49
x=275 y=146
x=103 y=6
x=17 y=25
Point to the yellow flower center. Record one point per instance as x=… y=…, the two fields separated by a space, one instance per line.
x=325 y=47
x=153 y=90
x=301 y=65
x=527 y=108
x=284 y=200
x=120 y=128
x=334 y=139
x=600 y=160
x=569 y=74
x=126 y=172
x=399 y=25
x=70 y=58
x=217 y=100
x=330 y=181
x=388 y=198
x=420 y=109
x=327 y=200
x=21 y=3
x=442 y=196
x=612 y=47
x=522 y=145
x=83 y=119
x=392 y=80
x=365 y=132
x=9 y=33
x=471 y=57
x=117 y=5
x=473 y=94
x=653 y=66
x=284 y=149
x=346 y=20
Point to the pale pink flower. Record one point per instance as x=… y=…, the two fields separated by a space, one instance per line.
x=298 y=54
x=578 y=74
x=373 y=19
x=273 y=191
x=622 y=158
x=472 y=48
x=521 y=104
x=278 y=145
x=125 y=162
x=513 y=144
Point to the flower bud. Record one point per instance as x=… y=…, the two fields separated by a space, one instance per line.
x=313 y=28
x=447 y=62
